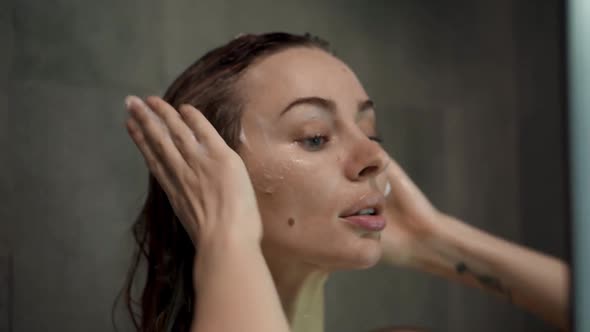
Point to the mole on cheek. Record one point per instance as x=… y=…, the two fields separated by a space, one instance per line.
x=291 y=222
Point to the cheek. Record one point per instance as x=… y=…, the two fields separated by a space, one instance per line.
x=299 y=204
x=268 y=177
x=296 y=189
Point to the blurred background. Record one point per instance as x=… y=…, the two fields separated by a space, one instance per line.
x=470 y=102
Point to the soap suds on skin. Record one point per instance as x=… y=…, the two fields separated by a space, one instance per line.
x=387 y=189
x=243 y=138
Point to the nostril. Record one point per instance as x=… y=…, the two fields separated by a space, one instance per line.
x=368 y=171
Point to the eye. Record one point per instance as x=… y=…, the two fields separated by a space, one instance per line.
x=314 y=143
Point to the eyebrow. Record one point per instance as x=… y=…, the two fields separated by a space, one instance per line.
x=326 y=104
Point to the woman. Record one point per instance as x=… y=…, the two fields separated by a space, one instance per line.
x=273 y=132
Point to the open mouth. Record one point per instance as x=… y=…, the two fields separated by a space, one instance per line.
x=366 y=214
x=367 y=206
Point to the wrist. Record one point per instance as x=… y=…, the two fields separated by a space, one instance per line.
x=440 y=249
x=224 y=248
x=456 y=244
x=227 y=238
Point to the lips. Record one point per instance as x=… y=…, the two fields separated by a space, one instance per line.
x=373 y=223
x=370 y=222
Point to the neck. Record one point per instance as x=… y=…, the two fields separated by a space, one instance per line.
x=301 y=289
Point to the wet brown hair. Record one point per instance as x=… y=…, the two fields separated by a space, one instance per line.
x=166 y=302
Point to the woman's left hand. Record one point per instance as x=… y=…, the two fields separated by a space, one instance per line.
x=411 y=219
x=419 y=236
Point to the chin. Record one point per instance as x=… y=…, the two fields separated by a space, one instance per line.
x=367 y=258
x=365 y=254
x=344 y=250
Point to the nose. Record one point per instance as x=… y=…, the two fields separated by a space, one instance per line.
x=367 y=159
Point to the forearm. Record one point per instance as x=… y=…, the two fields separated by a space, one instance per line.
x=534 y=281
x=235 y=291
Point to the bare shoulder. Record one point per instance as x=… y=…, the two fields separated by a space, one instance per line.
x=400 y=329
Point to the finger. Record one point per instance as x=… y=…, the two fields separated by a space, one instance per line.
x=157 y=136
x=403 y=188
x=141 y=112
x=203 y=129
x=154 y=166
x=182 y=136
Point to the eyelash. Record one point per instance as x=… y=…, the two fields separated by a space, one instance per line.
x=377 y=139
x=308 y=138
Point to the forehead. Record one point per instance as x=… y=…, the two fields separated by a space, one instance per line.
x=278 y=79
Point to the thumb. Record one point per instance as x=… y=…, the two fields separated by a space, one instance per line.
x=406 y=194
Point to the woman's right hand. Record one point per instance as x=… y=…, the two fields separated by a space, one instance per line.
x=206 y=181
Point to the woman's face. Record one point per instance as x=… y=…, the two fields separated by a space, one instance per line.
x=307 y=141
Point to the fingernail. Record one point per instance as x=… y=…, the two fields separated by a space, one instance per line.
x=128 y=101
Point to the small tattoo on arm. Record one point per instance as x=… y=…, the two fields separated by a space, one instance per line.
x=489 y=282
x=461 y=268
